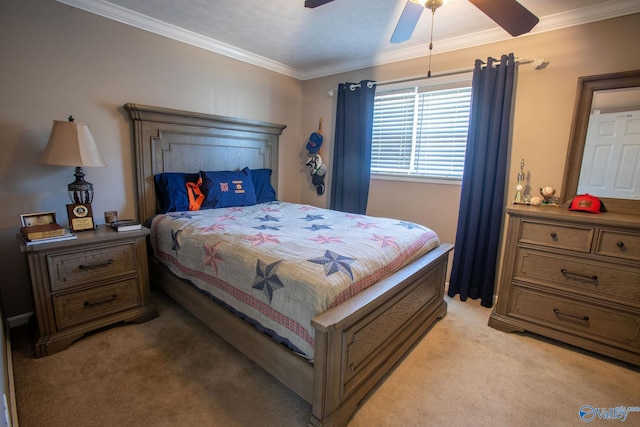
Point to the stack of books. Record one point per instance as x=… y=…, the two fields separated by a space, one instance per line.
x=126 y=225
x=46 y=233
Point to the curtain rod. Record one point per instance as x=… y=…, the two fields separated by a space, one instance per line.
x=539 y=63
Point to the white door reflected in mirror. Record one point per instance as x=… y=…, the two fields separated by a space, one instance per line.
x=611 y=160
x=611 y=157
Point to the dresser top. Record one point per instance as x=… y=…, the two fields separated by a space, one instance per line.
x=561 y=213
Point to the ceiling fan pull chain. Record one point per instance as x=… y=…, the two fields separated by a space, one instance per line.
x=433 y=15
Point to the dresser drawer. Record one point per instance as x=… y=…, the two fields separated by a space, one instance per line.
x=575 y=274
x=70 y=269
x=78 y=307
x=619 y=244
x=588 y=320
x=563 y=236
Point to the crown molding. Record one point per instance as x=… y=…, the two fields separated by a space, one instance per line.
x=601 y=11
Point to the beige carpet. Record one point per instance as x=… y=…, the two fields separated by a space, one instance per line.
x=172 y=371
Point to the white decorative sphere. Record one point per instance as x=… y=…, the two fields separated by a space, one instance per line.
x=536 y=201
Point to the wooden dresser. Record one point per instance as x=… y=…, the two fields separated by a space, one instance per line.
x=80 y=285
x=573 y=277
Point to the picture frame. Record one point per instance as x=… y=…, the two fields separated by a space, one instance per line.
x=39 y=218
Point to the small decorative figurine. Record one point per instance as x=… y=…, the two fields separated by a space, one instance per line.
x=519 y=197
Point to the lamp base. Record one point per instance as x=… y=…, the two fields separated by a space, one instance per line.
x=80 y=191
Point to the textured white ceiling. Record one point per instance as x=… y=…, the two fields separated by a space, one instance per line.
x=339 y=36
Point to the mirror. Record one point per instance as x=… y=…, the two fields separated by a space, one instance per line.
x=603 y=94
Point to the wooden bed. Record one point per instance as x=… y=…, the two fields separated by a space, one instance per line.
x=356 y=343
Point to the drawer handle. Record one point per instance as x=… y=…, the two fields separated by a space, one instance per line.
x=582 y=276
x=554 y=236
x=620 y=244
x=92 y=266
x=102 y=301
x=583 y=318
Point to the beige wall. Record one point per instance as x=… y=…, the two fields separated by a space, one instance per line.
x=544 y=106
x=58 y=60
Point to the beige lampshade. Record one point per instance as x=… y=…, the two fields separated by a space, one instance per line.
x=71 y=144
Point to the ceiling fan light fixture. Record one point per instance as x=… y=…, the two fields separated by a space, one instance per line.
x=430 y=4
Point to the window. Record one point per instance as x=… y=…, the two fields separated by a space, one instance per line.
x=421 y=131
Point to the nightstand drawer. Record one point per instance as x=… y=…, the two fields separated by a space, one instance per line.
x=575 y=274
x=562 y=236
x=69 y=269
x=580 y=318
x=78 y=307
x=619 y=244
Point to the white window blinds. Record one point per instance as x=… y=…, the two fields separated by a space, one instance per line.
x=420 y=131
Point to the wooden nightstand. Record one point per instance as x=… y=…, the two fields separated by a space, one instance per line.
x=80 y=285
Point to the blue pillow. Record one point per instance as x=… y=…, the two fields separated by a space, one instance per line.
x=261 y=179
x=226 y=189
x=171 y=190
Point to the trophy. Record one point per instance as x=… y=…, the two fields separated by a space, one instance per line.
x=519 y=197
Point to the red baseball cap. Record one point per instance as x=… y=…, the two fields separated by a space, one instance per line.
x=587 y=203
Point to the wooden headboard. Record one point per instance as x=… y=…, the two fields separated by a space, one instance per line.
x=169 y=140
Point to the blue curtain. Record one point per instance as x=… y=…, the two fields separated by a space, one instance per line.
x=483 y=182
x=352 y=147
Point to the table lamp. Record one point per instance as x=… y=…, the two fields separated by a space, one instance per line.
x=71 y=144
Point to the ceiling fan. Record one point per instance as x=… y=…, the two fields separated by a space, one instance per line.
x=509 y=14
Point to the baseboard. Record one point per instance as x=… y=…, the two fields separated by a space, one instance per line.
x=10 y=408
x=19 y=320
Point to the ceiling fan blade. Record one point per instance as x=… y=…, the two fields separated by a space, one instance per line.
x=315 y=3
x=509 y=14
x=407 y=22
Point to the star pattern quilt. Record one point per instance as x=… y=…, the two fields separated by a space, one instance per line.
x=278 y=264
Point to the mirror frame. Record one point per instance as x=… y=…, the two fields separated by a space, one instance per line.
x=586 y=87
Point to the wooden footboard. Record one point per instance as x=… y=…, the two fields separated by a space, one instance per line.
x=356 y=344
